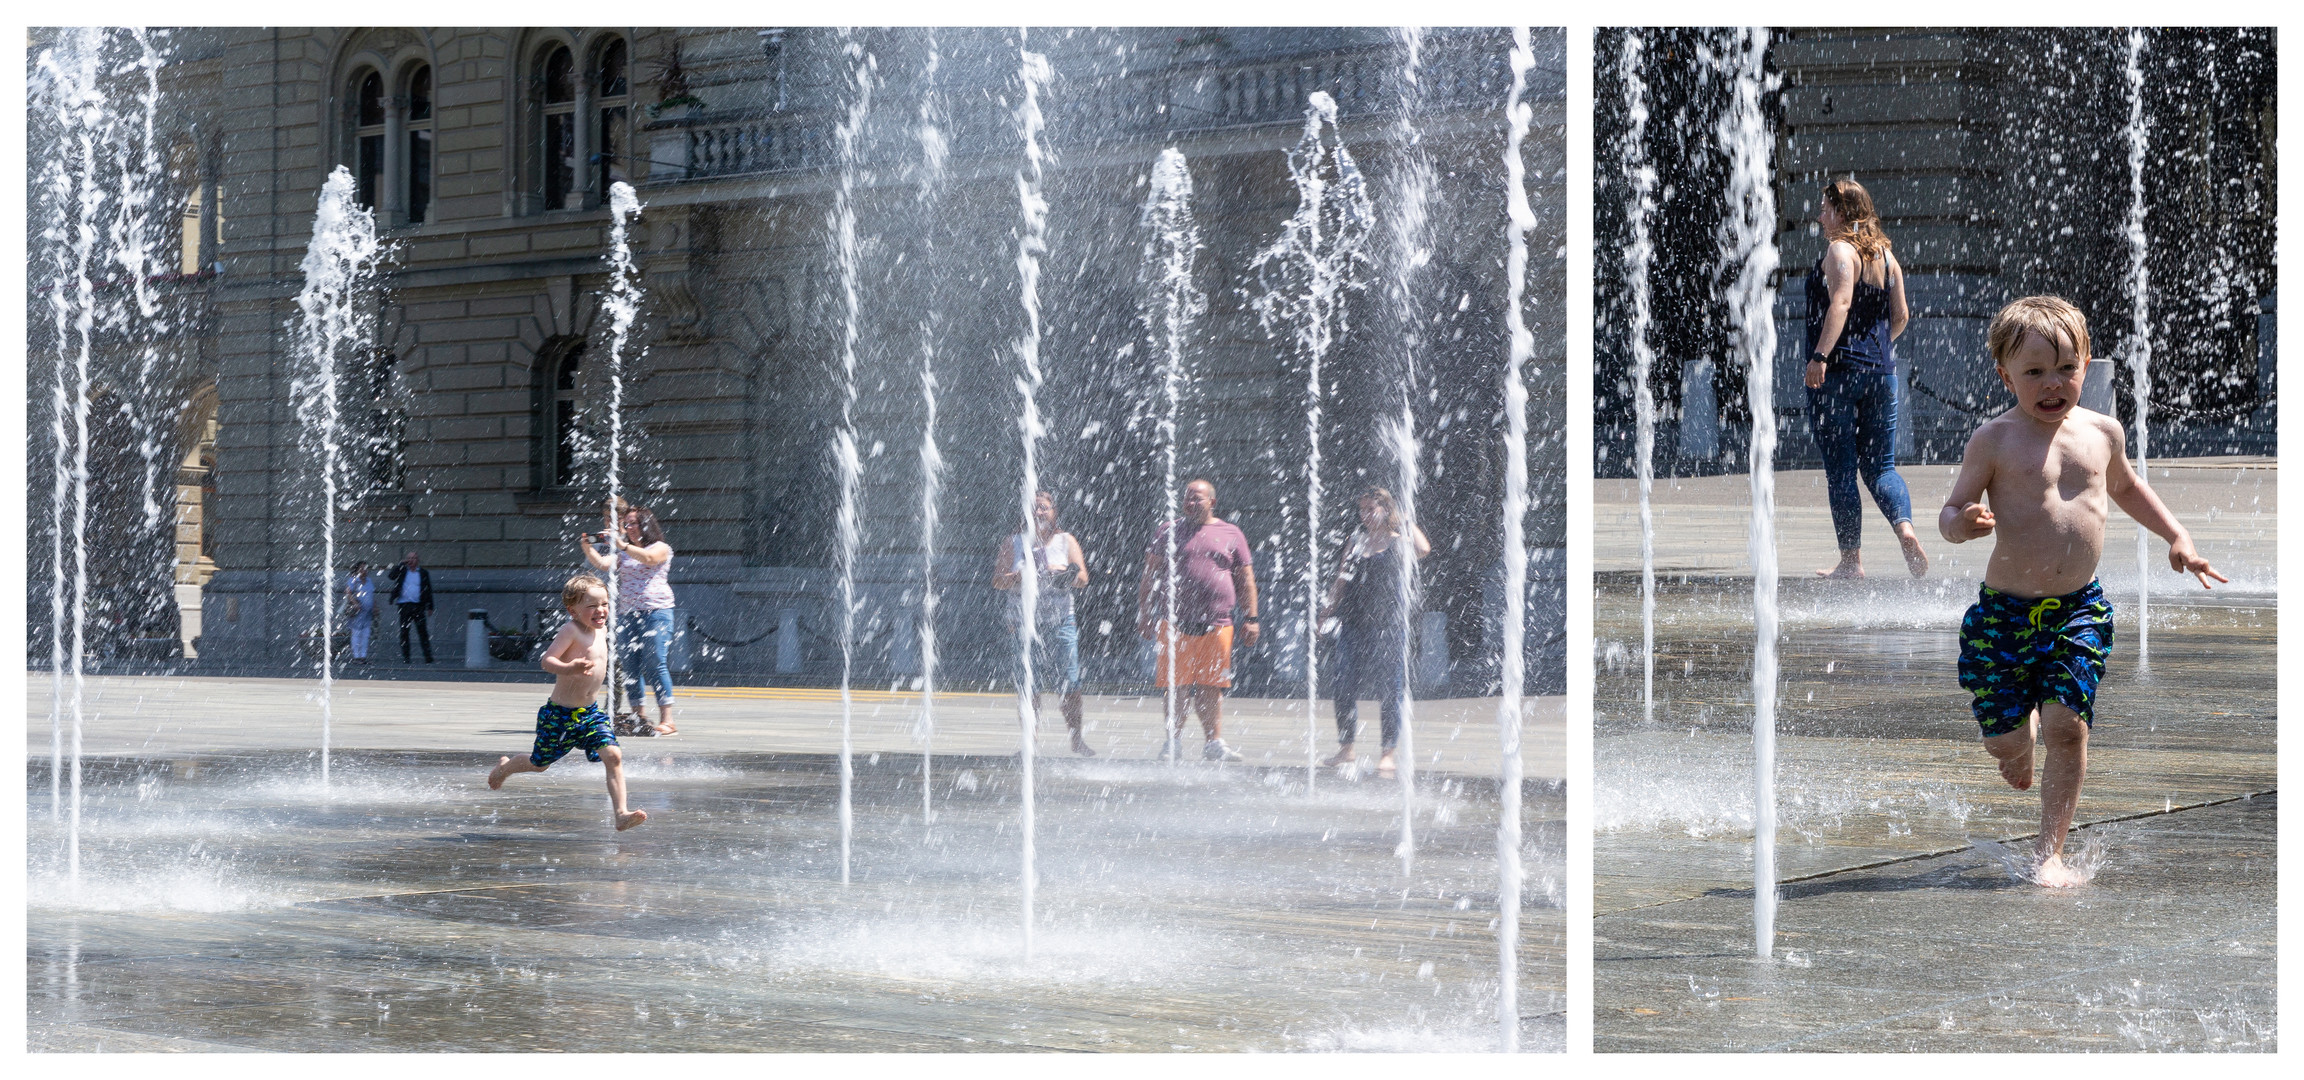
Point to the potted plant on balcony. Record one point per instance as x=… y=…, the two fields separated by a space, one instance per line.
x=669 y=74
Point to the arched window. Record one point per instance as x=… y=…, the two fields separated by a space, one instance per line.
x=614 y=104
x=368 y=136
x=419 y=124
x=567 y=430
x=559 y=128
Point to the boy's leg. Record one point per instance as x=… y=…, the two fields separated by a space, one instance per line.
x=2014 y=752
x=2065 y=736
x=510 y=766
x=613 y=757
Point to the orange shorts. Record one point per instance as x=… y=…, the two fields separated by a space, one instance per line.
x=1204 y=659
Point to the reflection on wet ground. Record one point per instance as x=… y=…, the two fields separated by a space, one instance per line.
x=230 y=903
x=1899 y=928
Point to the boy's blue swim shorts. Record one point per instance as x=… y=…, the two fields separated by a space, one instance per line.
x=2018 y=652
x=560 y=729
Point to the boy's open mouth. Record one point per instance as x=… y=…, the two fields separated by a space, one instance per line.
x=2051 y=404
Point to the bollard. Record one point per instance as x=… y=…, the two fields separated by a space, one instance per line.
x=476 y=638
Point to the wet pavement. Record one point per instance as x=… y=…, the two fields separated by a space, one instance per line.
x=1899 y=930
x=228 y=901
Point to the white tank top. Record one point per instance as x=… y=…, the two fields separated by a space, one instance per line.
x=1055 y=605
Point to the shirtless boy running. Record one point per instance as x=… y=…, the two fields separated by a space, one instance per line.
x=2041 y=627
x=577 y=659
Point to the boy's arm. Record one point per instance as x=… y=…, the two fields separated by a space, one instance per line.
x=1965 y=517
x=562 y=642
x=2136 y=498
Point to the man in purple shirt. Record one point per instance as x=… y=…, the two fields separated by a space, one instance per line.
x=1214 y=573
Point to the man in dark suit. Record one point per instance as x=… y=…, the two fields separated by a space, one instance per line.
x=412 y=592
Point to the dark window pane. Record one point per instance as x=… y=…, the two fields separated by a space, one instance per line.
x=612 y=81
x=559 y=77
x=564 y=442
x=612 y=152
x=559 y=160
x=371 y=171
x=371 y=99
x=420 y=94
x=419 y=174
x=566 y=378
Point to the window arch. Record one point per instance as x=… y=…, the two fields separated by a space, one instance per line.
x=418 y=180
x=368 y=120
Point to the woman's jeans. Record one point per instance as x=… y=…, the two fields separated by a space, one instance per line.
x=646 y=640
x=1369 y=663
x=1854 y=417
x=1056 y=659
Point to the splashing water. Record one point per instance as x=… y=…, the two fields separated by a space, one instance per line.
x=2140 y=327
x=1031 y=243
x=934 y=152
x=1638 y=251
x=1411 y=247
x=1523 y=348
x=1748 y=244
x=1171 y=304
x=2023 y=863
x=843 y=224
x=1307 y=275
x=623 y=306
x=339 y=273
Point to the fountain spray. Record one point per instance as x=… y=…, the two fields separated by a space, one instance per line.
x=1748 y=244
x=1172 y=303
x=844 y=444
x=2140 y=328
x=1031 y=243
x=1410 y=221
x=339 y=269
x=934 y=152
x=623 y=306
x=1638 y=251
x=1521 y=221
x=1306 y=275
x=69 y=75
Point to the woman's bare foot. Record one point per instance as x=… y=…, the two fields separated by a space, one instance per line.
x=1915 y=559
x=664 y=724
x=630 y=819
x=496 y=775
x=1080 y=746
x=1342 y=756
x=2018 y=770
x=1851 y=568
x=2054 y=874
x=1385 y=768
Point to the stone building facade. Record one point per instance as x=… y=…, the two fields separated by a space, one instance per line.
x=1998 y=159
x=486 y=154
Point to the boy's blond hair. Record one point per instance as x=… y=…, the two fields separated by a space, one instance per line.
x=2054 y=318
x=578 y=587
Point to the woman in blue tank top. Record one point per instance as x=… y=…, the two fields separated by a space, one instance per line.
x=1856 y=310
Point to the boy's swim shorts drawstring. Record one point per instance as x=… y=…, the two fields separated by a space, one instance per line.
x=2050 y=604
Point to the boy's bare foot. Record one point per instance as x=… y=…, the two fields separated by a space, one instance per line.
x=1915 y=559
x=630 y=819
x=2053 y=874
x=2018 y=770
x=496 y=775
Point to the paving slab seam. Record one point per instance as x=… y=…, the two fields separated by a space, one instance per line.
x=2009 y=990
x=2164 y=812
